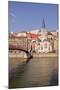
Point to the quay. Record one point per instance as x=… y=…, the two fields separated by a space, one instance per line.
x=23 y=55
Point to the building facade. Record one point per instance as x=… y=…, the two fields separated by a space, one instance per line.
x=42 y=41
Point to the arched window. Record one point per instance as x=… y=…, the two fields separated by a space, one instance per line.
x=45 y=40
x=10 y=51
x=51 y=38
x=39 y=40
x=41 y=47
x=45 y=45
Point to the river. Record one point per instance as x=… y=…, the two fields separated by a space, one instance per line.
x=36 y=73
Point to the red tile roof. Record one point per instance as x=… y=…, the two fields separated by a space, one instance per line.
x=31 y=35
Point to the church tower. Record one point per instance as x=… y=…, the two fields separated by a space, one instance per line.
x=43 y=29
x=43 y=24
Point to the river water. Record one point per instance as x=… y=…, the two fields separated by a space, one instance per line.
x=36 y=73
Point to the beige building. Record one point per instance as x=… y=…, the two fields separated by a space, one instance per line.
x=40 y=41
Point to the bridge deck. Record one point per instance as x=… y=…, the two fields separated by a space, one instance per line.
x=17 y=47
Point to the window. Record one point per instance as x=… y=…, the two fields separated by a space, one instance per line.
x=39 y=40
x=10 y=51
x=45 y=45
x=41 y=47
x=45 y=40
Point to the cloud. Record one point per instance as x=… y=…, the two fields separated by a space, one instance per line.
x=12 y=14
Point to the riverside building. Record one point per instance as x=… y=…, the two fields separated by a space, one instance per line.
x=42 y=41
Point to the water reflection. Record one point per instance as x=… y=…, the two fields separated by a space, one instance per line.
x=37 y=72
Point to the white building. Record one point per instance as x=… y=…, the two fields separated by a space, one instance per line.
x=43 y=43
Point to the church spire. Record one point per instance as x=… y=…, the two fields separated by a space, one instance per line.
x=43 y=23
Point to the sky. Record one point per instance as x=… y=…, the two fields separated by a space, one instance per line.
x=23 y=16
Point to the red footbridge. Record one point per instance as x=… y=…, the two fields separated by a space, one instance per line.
x=18 y=47
x=21 y=48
